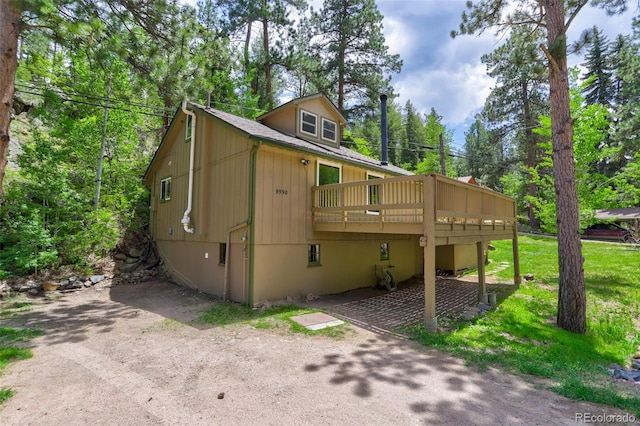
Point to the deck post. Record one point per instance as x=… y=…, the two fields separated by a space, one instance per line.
x=517 y=279
x=482 y=284
x=429 y=244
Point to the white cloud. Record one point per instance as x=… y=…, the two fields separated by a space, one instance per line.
x=455 y=93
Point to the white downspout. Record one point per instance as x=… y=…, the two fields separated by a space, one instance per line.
x=186 y=218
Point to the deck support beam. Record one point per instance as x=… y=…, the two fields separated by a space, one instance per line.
x=428 y=241
x=482 y=283
x=517 y=279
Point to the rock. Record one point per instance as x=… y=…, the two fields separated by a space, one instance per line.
x=134 y=252
x=33 y=292
x=483 y=307
x=221 y=395
x=131 y=260
x=95 y=279
x=264 y=304
x=72 y=279
x=627 y=375
x=87 y=284
x=50 y=286
x=470 y=312
x=120 y=256
x=311 y=296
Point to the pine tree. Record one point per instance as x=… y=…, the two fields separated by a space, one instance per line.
x=414 y=137
x=599 y=88
x=555 y=17
x=350 y=46
x=518 y=99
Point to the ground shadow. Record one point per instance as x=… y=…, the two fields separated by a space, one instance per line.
x=385 y=366
x=64 y=320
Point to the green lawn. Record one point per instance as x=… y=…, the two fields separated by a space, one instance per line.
x=520 y=335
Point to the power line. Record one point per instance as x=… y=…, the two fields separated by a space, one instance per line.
x=96 y=105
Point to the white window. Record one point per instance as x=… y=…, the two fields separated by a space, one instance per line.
x=187 y=134
x=329 y=130
x=165 y=189
x=308 y=123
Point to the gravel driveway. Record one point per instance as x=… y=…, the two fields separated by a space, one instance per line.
x=130 y=355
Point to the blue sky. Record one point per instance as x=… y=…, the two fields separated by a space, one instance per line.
x=446 y=73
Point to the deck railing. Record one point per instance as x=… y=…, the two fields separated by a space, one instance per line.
x=402 y=200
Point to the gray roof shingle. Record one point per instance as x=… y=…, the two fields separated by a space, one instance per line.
x=257 y=130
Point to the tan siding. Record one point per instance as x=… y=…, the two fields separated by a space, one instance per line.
x=281 y=204
x=283 y=121
x=227 y=198
x=281 y=270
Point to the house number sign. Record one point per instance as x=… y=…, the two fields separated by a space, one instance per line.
x=282 y=191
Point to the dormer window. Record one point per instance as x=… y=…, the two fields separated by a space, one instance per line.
x=308 y=123
x=329 y=130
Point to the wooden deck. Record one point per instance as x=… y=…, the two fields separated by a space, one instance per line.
x=441 y=210
x=461 y=212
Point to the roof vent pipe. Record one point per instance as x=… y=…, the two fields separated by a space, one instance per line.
x=383 y=129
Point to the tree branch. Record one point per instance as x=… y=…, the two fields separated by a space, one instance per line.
x=552 y=60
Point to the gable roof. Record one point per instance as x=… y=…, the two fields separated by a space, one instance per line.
x=303 y=99
x=619 y=214
x=256 y=130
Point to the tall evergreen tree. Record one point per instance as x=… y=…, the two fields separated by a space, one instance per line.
x=519 y=98
x=412 y=146
x=482 y=155
x=273 y=17
x=349 y=44
x=430 y=157
x=626 y=125
x=555 y=17
x=599 y=88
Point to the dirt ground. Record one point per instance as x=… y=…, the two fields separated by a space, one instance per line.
x=131 y=355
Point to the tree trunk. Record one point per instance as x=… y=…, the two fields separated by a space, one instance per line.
x=267 y=62
x=247 y=43
x=531 y=147
x=571 y=294
x=10 y=26
x=341 y=57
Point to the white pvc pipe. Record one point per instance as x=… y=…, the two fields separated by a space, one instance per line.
x=186 y=217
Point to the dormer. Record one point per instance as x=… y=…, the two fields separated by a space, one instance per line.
x=313 y=118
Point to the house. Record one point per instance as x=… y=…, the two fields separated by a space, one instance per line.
x=254 y=210
x=467 y=179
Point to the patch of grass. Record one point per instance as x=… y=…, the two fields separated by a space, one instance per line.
x=5 y=394
x=11 y=335
x=10 y=353
x=520 y=335
x=13 y=308
x=165 y=325
x=223 y=314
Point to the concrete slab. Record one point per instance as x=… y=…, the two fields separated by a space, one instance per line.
x=317 y=321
